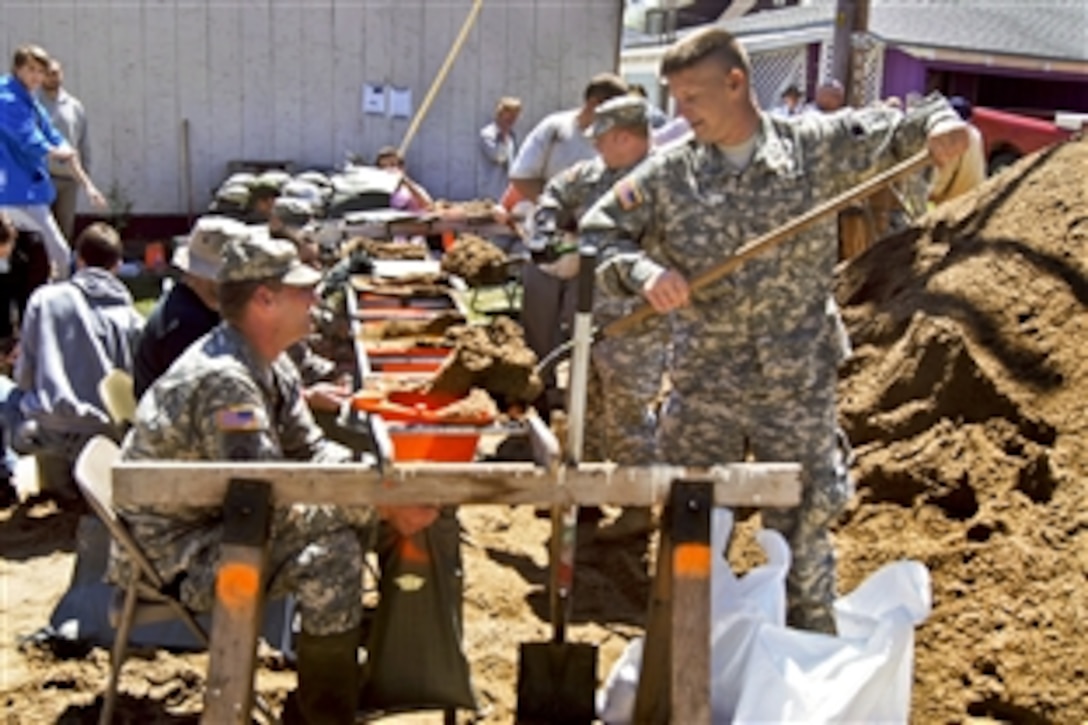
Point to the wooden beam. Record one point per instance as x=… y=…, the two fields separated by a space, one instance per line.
x=175 y=483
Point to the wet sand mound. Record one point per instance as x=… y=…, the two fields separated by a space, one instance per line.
x=965 y=402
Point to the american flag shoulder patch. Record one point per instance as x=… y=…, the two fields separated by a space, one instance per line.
x=239 y=419
x=628 y=193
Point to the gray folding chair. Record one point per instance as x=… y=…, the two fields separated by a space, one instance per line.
x=145 y=600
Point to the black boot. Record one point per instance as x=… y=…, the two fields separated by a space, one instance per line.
x=328 y=680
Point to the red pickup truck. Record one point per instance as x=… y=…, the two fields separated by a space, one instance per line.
x=1008 y=136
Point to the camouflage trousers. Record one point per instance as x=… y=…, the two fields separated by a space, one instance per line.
x=314 y=552
x=623 y=393
x=721 y=416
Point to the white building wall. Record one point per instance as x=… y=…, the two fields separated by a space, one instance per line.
x=282 y=80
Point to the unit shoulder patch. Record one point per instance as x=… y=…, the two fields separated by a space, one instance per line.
x=628 y=194
x=240 y=419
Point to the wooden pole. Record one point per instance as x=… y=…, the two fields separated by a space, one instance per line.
x=440 y=77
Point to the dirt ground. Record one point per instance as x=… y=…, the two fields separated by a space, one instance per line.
x=965 y=405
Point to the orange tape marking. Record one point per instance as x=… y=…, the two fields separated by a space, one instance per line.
x=691 y=561
x=237 y=585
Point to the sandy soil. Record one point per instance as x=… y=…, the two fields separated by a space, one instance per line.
x=965 y=405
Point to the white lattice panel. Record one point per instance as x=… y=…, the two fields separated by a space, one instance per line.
x=774 y=70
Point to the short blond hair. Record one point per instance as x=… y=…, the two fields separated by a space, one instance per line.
x=508 y=103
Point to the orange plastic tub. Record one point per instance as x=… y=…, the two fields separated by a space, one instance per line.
x=418 y=432
x=409 y=360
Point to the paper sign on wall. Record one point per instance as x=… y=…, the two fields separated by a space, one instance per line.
x=374 y=99
x=400 y=102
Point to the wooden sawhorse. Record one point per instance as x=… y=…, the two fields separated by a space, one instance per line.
x=680 y=612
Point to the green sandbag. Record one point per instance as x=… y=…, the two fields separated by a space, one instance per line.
x=414 y=656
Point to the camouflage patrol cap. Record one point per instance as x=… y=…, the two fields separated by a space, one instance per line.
x=273 y=179
x=256 y=256
x=626 y=111
x=234 y=193
x=202 y=256
x=293 y=211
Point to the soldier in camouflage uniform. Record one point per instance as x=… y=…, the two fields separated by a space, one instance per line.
x=625 y=377
x=234 y=395
x=755 y=372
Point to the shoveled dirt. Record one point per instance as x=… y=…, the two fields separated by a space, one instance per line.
x=436 y=326
x=385 y=249
x=476 y=260
x=965 y=403
x=493 y=357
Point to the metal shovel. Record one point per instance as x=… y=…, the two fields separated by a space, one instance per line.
x=557 y=680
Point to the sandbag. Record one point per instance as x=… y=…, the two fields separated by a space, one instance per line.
x=414 y=656
x=763 y=671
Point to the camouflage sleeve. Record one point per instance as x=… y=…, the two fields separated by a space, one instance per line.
x=559 y=202
x=300 y=437
x=859 y=143
x=616 y=224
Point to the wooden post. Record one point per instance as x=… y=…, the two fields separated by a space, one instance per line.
x=239 y=599
x=691 y=502
x=652 y=697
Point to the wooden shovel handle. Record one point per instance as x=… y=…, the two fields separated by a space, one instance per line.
x=777 y=236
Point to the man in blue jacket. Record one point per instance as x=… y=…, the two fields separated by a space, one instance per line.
x=28 y=140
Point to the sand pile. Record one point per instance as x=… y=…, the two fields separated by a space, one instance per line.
x=965 y=402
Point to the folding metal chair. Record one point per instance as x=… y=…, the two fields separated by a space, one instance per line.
x=145 y=600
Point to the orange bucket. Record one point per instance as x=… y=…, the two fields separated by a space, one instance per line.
x=418 y=433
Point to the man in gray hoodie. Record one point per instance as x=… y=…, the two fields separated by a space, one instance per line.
x=73 y=333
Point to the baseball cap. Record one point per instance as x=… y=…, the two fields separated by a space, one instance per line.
x=628 y=111
x=256 y=256
x=202 y=256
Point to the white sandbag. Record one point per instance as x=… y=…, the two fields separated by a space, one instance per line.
x=739 y=607
x=616 y=698
x=862 y=675
x=763 y=671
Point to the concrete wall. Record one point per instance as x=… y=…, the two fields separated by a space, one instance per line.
x=282 y=80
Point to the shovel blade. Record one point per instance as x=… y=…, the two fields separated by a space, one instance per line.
x=557 y=683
